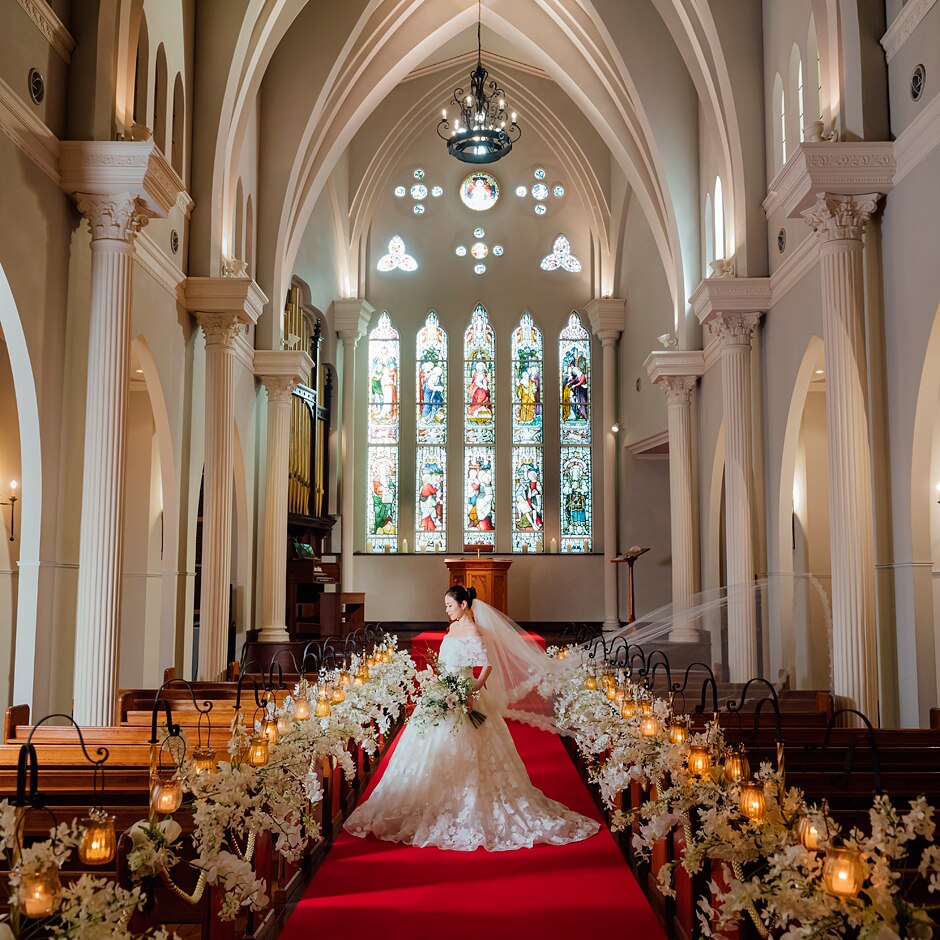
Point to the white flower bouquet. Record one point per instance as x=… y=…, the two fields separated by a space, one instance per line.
x=445 y=697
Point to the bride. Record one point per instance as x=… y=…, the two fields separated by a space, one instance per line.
x=461 y=786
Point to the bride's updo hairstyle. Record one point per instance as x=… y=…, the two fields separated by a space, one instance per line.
x=460 y=594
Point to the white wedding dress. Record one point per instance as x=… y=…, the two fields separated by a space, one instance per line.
x=456 y=786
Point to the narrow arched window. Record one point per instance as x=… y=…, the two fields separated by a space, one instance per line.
x=249 y=238
x=383 y=436
x=431 y=437
x=574 y=360
x=778 y=125
x=709 y=234
x=238 y=235
x=527 y=437
x=479 y=356
x=159 y=99
x=178 y=126
x=141 y=79
x=719 y=211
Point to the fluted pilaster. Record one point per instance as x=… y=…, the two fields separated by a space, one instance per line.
x=351 y=318
x=221 y=330
x=280 y=372
x=114 y=220
x=607 y=321
x=734 y=332
x=678 y=389
x=839 y=223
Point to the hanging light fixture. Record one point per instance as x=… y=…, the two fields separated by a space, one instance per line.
x=483 y=131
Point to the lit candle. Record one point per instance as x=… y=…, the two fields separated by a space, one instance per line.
x=554 y=547
x=388 y=547
x=525 y=548
x=404 y=546
x=13 y=485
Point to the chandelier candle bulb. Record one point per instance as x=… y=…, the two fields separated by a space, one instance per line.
x=39 y=892
x=843 y=872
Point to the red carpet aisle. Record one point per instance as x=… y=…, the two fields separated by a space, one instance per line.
x=367 y=888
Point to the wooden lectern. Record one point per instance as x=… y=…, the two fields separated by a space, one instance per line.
x=488 y=575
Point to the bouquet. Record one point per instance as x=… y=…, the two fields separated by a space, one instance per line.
x=445 y=697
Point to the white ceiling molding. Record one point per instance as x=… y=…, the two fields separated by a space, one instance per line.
x=46 y=21
x=159 y=265
x=21 y=124
x=918 y=139
x=903 y=26
x=654 y=447
x=501 y=62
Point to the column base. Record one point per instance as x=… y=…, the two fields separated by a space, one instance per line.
x=273 y=634
x=611 y=625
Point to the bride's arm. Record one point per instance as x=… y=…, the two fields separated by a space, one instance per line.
x=480 y=680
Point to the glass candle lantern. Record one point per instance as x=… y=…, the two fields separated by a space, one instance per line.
x=627 y=708
x=302 y=709
x=204 y=761
x=736 y=767
x=98 y=842
x=323 y=702
x=339 y=694
x=808 y=832
x=258 y=751
x=646 y=707
x=590 y=682
x=843 y=872
x=678 y=732
x=611 y=692
x=39 y=892
x=649 y=726
x=269 y=730
x=344 y=676
x=619 y=695
x=166 y=792
x=284 y=722
x=753 y=803
x=700 y=761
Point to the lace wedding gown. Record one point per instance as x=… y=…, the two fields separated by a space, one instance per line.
x=461 y=787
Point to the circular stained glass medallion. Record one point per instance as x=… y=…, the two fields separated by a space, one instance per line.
x=559 y=191
x=521 y=191
x=400 y=191
x=479 y=268
x=419 y=174
x=419 y=191
x=479 y=191
x=419 y=209
x=540 y=209
x=460 y=251
x=540 y=174
x=539 y=191
x=479 y=250
x=437 y=191
x=478 y=233
x=497 y=250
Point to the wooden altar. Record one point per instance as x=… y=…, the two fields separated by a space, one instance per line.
x=489 y=576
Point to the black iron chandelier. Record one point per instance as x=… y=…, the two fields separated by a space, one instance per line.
x=483 y=131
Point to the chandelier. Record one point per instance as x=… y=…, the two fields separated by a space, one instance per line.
x=479 y=133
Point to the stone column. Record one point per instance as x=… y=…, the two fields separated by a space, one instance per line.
x=351 y=319
x=280 y=373
x=734 y=334
x=839 y=223
x=114 y=221
x=607 y=321
x=118 y=187
x=224 y=307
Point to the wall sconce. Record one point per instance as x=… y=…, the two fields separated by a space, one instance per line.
x=12 y=501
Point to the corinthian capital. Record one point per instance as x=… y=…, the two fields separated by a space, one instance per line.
x=840 y=217
x=678 y=388
x=118 y=216
x=279 y=387
x=735 y=329
x=222 y=329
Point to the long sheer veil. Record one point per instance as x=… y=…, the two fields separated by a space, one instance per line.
x=520 y=684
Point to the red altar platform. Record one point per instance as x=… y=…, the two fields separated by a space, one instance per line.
x=430 y=641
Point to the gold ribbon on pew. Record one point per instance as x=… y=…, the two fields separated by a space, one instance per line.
x=752 y=911
x=249 y=847
x=193 y=898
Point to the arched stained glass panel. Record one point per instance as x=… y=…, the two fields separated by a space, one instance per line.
x=383 y=437
x=431 y=435
x=574 y=357
x=479 y=432
x=527 y=500
x=527 y=382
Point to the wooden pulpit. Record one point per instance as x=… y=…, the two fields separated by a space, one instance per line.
x=488 y=575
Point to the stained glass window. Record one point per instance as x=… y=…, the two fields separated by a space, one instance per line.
x=479 y=191
x=431 y=373
x=576 y=508
x=527 y=382
x=479 y=497
x=431 y=499
x=479 y=353
x=397 y=258
x=574 y=358
x=527 y=500
x=383 y=437
x=561 y=257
